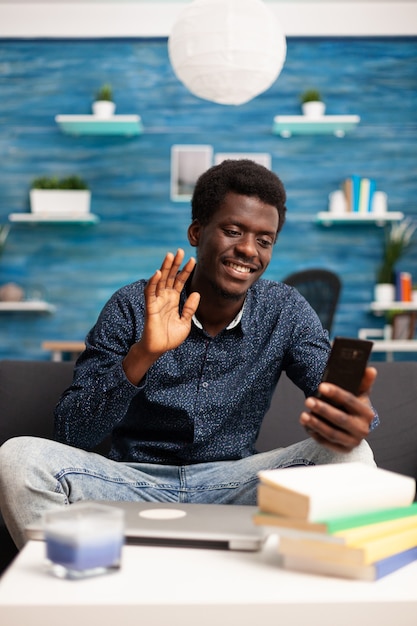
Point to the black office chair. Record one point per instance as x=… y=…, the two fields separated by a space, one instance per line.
x=321 y=288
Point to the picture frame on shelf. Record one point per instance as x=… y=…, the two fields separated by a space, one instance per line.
x=188 y=162
x=404 y=325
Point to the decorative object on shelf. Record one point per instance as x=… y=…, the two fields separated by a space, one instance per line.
x=337 y=202
x=312 y=104
x=4 y=232
x=103 y=105
x=403 y=325
x=10 y=292
x=50 y=196
x=240 y=61
x=397 y=239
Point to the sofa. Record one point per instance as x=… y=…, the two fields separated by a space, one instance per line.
x=29 y=391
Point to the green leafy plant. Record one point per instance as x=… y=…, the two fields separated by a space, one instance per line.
x=105 y=93
x=310 y=95
x=53 y=182
x=397 y=239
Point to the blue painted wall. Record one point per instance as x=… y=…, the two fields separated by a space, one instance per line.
x=77 y=268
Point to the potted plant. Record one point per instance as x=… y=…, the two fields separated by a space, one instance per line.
x=312 y=104
x=103 y=105
x=397 y=240
x=50 y=195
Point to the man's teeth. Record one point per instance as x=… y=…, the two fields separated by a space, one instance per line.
x=239 y=268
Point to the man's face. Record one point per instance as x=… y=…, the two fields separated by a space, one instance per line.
x=235 y=248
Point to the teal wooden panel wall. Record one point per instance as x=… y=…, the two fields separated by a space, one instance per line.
x=77 y=268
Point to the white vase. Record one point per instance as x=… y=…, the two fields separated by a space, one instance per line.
x=313 y=109
x=387 y=332
x=71 y=202
x=384 y=292
x=103 y=108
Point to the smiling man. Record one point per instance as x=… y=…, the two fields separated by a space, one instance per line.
x=179 y=371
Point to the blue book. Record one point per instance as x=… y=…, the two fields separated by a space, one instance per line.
x=356 y=185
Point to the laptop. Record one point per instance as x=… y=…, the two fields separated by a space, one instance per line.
x=213 y=526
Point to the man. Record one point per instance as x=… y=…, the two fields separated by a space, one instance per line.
x=180 y=369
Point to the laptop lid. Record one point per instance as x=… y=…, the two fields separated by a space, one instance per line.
x=215 y=526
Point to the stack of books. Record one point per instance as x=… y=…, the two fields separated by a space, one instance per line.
x=359 y=193
x=349 y=520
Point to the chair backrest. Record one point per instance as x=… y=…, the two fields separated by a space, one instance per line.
x=321 y=288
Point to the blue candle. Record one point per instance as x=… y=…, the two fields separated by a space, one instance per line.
x=84 y=538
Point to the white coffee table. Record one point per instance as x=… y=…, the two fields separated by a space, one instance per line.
x=190 y=587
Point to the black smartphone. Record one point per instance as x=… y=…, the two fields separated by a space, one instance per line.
x=346 y=365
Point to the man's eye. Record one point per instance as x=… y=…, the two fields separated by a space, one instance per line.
x=265 y=243
x=232 y=233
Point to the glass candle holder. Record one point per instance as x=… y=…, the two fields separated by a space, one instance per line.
x=84 y=539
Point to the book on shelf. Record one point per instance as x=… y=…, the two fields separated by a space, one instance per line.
x=362 y=552
x=347 y=187
x=366 y=192
x=403 y=287
x=371 y=572
x=319 y=492
x=356 y=181
x=334 y=526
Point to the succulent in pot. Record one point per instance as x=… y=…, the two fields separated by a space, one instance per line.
x=51 y=195
x=312 y=104
x=103 y=105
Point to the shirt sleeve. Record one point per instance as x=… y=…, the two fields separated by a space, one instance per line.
x=100 y=393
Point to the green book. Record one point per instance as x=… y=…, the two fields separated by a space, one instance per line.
x=334 y=525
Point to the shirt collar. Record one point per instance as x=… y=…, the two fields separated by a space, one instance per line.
x=232 y=324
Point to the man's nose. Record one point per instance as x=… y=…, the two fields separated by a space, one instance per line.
x=247 y=245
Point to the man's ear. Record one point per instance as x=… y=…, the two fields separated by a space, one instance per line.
x=194 y=231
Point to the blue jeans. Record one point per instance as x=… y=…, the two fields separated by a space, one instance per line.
x=37 y=475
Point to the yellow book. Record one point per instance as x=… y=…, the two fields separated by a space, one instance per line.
x=322 y=531
x=357 y=553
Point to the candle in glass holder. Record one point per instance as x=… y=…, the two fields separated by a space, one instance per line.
x=84 y=539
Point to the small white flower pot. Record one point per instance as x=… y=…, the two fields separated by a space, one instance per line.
x=313 y=109
x=384 y=292
x=71 y=202
x=103 y=108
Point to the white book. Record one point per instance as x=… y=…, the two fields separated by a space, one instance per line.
x=320 y=492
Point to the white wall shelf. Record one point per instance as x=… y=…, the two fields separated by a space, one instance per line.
x=339 y=125
x=37 y=218
x=382 y=307
x=92 y=125
x=327 y=218
x=29 y=306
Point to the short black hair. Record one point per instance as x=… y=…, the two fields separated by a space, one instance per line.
x=242 y=176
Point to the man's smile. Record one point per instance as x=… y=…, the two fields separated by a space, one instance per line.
x=242 y=269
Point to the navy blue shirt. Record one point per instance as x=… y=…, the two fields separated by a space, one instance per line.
x=203 y=401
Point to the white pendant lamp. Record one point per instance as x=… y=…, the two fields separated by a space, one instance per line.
x=227 y=51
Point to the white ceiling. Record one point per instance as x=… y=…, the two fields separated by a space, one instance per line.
x=154 y=18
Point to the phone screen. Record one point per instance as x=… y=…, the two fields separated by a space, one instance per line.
x=347 y=363
x=346 y=366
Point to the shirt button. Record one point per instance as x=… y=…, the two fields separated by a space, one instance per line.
x=205 y=385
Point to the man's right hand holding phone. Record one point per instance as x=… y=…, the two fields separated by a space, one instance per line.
x=344 y=426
